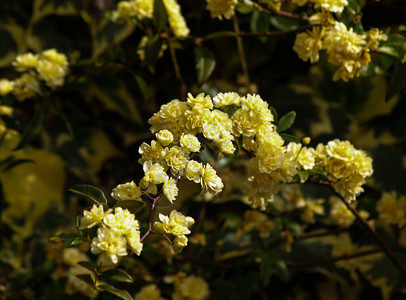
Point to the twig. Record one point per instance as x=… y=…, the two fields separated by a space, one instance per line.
x=241 y=50
x=155 y=201
x=377 y=237
x=261 y=5
x=183 y=87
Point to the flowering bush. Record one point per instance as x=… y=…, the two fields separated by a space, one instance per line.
x=276 y=170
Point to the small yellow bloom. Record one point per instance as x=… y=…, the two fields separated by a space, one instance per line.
x=127 y=191
x=25 y=62
x=6 y=86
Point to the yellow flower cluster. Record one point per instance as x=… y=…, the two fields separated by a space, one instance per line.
x=117 y=231
x=221 y=8
x=345 y=48
x=144 y=9
x=127 y=191
x=190 y=288
x=339 y=213
x=49 y=66
x=253 y=219
x=149 y=292
x=175 y=228
x=391 y=209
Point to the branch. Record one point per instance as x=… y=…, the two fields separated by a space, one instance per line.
x=183 y=87
x=241 y=50
x=262 y=6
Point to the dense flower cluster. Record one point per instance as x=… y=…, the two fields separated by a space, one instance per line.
x=175 y=228
x=49 y=66
x=221 y=8
x=116 y=232
x=144 y=9
x=345 y=48
x=190 y=288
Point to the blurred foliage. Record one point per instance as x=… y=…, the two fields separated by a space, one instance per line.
x=88 y=131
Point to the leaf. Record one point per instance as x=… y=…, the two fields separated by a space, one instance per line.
x=289 y=138
x=388 y=51
x=283 y=23
x=286 y=121
x=397 y=82
x=88 y=265
x=64 y=236
x=33 y=128
x=160 y=15
x=303 y=175
x=218 y=34
x=79 y=240
x=142 y=85
x=266 y=268
x=281 y=267
x=134 y=206
x=36 y=88
x=152 y=49
x=275 y=115
x=317 y=172
x=117 y=275
x=91 y=192
x=205 y=63
x=86 y=278
x=245 y=9
x=119 y=293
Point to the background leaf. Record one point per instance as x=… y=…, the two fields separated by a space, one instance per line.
x=205 y=63
x=91 y=192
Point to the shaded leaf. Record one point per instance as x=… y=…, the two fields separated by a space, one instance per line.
x=397 y=82
x=286 y=121
x=33 y=128
x=266 y=268
x=119 y=293
x=91 y=192
x=64 y=236
x=289 y=138
x=205 y=63
x=88 y=265
x=74 y=242
x=36 y=88
x=303 y=175
x=133 y=206
x=142 y=85
x=117 y=275
x=218 y=34
x=86 y=278
x=283 y=23
x=160 y=15
x=152 y=49
x=275 y=115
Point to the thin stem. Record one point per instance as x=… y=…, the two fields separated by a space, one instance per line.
x=241 y=50
x=262 y=6
x=154 y=202
x=338 y=258
x=178 y=74
x=377 y=237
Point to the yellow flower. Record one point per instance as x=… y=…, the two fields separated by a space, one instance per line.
x=302 y=155
x=391 y=209
x=122 y=221
x=223 y=99
x=190 y=143
x=191 y=288
x=93 y=217
x=176 y=158
x=313 y=207
x=149 y=292
x=154 y=153
x=134 y=241
x=350 y=187
x=210 y=182
x=54 y=56
x=374 y=36
x=110 y=242
x=308 y=44
x=335 y=6
x=154 y=173
x=192 y=170
x=170 y=190
x=200 y=100
x=176 y=20
x=342 y=150
x=221 y=8
x=179 y=243
x=127 y=191
x=165 y=137
x=6 y=86
x=269 y=158
x=21 y=89
x=176 y=224
x=25 y=62
x=51 y=72
x=143 y=8
x=339 y=213
x=211 y=132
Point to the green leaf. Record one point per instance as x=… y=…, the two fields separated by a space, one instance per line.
x=64 y=236
x=142 y=85
x=303 y=175
x=218 y=34
x=117 y=275
x=134 y=206
x=317 y=172
x=79 y=240
x=152 y=49
x=91 y=192
x=245 y=9
x=397 y=82
x=275 y=115
x=281 y=267
x=119 y=293
x=289 y=138
x=88 y=265
x=266 y=268
x=86 y=278
x=286 y=121
x=283 y=23
x=33 y=128
x=205 y=63
x=36 y=88
x=391 y=51
x=160 y=15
